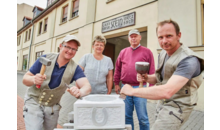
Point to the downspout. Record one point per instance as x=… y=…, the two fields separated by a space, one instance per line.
x=30 y=45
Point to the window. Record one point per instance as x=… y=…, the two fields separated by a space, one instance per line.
x=29 y=36
x=26 y=36
x=48 y=2
x=75 y=10
x=45 y=24
x=35 y=13
x=18 y=40
x=24 y=65
x=65 y=10
x=40 y=25
x=38 y=54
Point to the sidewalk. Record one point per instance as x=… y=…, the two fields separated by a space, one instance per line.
x=20 y=119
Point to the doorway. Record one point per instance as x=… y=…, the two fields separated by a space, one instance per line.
x=110 y=51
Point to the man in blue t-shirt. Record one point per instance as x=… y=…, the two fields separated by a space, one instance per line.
x=41 y=108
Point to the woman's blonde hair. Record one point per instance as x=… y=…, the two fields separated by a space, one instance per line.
x=99 y=38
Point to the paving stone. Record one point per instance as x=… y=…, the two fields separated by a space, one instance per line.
x=202 y=128
x=188 y=128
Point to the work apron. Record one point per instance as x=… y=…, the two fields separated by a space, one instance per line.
x=39 y=117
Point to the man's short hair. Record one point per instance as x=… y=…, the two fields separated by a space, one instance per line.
x=176 y=26
x=99 y=38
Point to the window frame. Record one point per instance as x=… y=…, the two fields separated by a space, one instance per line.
x=74 y=13
x=35 y=14
x=63 y=13
x=45 y=24
x=24 y=23
x=26 y=35
x=18 y=40
x=39 y=28
x=40 y=54
x=29 y=34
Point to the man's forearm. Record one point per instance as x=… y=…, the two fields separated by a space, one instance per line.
x=28 y=80
x=153 y=93
x=85 y=89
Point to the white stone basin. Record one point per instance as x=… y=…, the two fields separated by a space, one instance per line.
x=99 y=112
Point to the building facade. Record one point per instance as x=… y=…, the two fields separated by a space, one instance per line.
x=112 y=19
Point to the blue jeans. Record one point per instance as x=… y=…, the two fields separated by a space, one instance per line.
x=141 y=110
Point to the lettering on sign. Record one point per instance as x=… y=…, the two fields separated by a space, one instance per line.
x=119 y=22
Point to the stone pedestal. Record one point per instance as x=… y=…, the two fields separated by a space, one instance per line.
x=99 y=112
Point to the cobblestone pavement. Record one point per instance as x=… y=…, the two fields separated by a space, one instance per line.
x=195 y=121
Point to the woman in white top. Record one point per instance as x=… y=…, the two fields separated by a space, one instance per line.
x=98 y=68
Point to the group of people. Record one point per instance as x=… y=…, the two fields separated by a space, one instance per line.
x=174 y=83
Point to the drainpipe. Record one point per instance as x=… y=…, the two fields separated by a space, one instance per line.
x=30 y=45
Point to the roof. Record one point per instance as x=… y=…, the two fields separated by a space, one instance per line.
x=28 y=18
x=39 y=8
x=48 y=9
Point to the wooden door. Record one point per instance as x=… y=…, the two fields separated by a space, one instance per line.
x=110 y=51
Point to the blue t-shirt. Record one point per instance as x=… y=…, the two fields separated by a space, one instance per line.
x=188 y=67
x=57 y=73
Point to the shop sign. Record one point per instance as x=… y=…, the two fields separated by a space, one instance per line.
x=119 y=22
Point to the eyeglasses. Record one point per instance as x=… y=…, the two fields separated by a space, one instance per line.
x=69 y=48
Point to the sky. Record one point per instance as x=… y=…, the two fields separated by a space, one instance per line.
x=40 y=3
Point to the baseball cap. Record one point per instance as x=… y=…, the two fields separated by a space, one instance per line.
x=71 y=37
x=133 y=31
